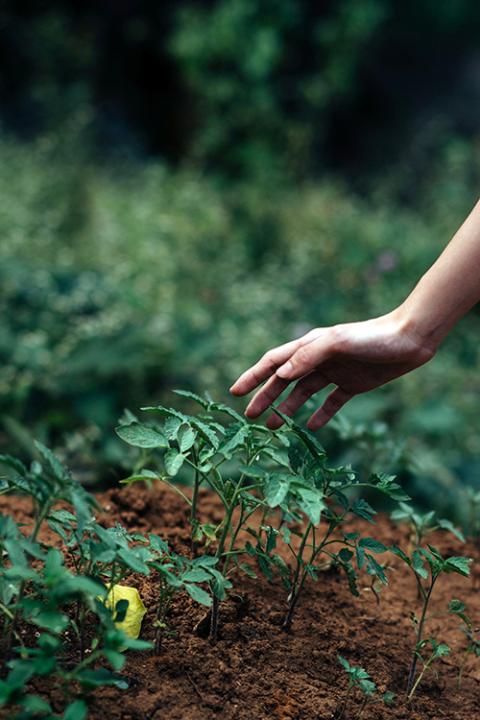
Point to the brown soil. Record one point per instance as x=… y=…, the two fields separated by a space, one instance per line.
x=256 y=671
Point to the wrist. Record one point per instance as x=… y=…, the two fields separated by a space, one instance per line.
x=412 y=324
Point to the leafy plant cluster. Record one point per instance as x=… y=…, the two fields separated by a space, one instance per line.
x=282 y=499
x=286 y=513
x=59 y=618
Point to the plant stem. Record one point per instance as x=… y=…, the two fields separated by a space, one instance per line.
x=287 y=623
x=343 y=707
x=193 y=508
x=362 y=708
x=462 y=667
x=413 y=666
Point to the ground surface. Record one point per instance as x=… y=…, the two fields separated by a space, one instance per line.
x=257 y=671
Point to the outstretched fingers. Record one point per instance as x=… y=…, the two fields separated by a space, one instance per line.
x=334 y=402
x=303 y=390
x=264 y=397
x=264 y=368
x=308 y=357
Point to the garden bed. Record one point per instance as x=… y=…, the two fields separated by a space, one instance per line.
x=257 y=670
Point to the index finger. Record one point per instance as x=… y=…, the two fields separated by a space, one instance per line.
x=264 y=368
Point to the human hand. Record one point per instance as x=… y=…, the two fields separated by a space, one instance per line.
x=356 y=357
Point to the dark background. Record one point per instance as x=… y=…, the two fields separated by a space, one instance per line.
x=185 y=184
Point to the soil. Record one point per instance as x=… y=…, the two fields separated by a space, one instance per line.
x=256 y=670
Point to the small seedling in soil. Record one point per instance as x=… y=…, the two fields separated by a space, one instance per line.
x=427 y=565
x=223 y=457
x=57 y=625
x=320 y=492
x=422 y=525
x=473 y=500
x=360 y=681
x=472 y=634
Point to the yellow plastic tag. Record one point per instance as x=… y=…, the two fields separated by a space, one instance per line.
x=132 y=623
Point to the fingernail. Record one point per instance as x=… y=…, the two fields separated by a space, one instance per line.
x=285 y=370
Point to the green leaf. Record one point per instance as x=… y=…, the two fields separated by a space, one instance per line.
x=276 y=488
x=144 y=475
x=441 y=650
x=196 y=575
x=185 y=437
x=447 y=525
x=99 y=677
x=387 y=485
x=374 y=568
x=375 y=546
x=206 y=432
x=402 y=555
x=363 y=509
x=311 y=502
x=77 y=710
x=55 y=465
x=51 y=620
x=389 y=698
x=36 y=705
x=418 y=565
x=132 y=561
x=193 y=396
x=198 y=594
x=142 y=436
x=173 y=462
x=248 y=570
x=237 y=440
x=458 y=565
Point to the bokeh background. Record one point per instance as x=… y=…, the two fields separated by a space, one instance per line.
x=186 y=183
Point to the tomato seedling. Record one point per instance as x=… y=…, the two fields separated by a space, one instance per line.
x=427 y=565
x=472 y=634
x=360 y=680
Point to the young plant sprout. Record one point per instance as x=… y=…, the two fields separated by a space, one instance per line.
x=359 y=680
x=472 y=634
x=283 y=475
x=315 y=490
x=423 y=525
x=223 y=458
x=65 y=622
x=427 y=565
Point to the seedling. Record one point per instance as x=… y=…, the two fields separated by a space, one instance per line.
x=427 y=564
x=423 y=525
x=45 y=606
x=315 y=490
x=224 y=458
x=472 y=634
x=254 y=470
x=359 y=680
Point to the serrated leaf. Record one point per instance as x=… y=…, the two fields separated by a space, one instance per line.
x=450 y=527
x=310 y=500
x=142 y=436
x=373 y=545
x=276 y=488
x=236 y=441
x=173 y=461
x=185 y=437
x=418 y=565
x=193 y=396
x=196 y=575
x=199 y=594
x=59 y=472
x=460 y=565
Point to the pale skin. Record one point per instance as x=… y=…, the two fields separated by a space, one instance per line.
x=361 y=356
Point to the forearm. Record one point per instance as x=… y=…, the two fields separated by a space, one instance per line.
x=450 y=287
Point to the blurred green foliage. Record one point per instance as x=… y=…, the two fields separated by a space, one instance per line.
x=187 y=184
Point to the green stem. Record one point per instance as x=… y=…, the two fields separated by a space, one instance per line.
x=295 y=589
x=413 y=666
